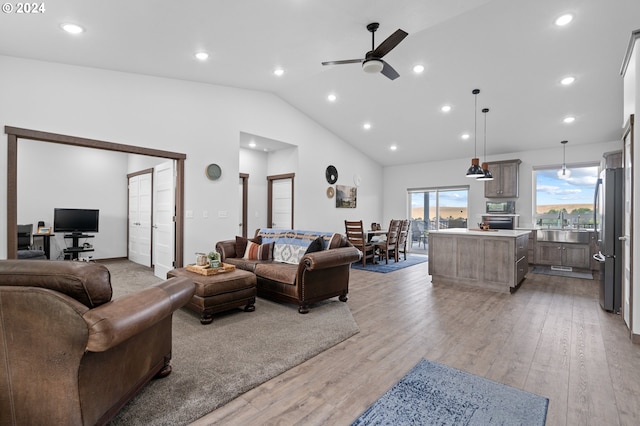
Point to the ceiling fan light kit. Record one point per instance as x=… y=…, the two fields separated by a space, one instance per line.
x=372 y=62
x=372 y=66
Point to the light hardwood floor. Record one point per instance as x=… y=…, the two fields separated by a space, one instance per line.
x=550 y=338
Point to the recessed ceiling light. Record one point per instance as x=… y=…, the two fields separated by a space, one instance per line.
x=203 y=56
x=252 y=144
x=72 y=28
x=418 y=69
x=393 y=147
x=446 y=108
x=567 y=80
x=564 y=20
x=465 y=136
x=569 y=119
x=366 y=126
x=278 y=72
x=332 y=97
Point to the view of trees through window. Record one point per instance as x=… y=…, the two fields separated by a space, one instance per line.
x=565 y=202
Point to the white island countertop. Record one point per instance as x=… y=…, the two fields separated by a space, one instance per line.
x=511 y=233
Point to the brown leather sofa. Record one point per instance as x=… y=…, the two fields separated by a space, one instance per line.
x=69 y=355
x=317 y=276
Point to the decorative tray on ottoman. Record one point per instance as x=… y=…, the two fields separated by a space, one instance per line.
x=207 y=270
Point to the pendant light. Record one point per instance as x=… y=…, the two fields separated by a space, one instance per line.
x=564 y=173
x=475 y=171
x=485 y=166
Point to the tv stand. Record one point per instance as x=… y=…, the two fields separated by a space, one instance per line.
x=75 y=245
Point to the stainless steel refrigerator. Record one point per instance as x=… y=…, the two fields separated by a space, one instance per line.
x=608 y=217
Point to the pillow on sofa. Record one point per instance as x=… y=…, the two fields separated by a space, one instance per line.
x=316 y=245
x=241 y=244
x=256 y=251
x=335 y=241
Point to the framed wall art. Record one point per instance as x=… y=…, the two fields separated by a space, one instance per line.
x=346 y=197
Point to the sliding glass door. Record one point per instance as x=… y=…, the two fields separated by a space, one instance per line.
x=436 y=208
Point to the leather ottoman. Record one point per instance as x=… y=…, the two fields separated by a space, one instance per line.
x=219 y=292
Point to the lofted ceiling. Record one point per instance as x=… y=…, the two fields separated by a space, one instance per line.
x=509 y=49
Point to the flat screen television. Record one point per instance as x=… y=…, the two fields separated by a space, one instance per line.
x=75 y=221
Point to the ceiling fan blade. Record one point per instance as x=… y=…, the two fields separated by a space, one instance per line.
x=392 y=41
x=346 y=61
x=389 y=72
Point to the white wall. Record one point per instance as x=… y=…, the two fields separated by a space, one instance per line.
x=203 y=121
x=398 y=179
x=631 y=100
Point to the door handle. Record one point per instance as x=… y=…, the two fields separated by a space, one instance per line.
x=155 y=226
x=623 y=238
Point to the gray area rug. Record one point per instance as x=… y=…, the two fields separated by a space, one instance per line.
x=215 y=363
x=435 y=394
x=546 y=270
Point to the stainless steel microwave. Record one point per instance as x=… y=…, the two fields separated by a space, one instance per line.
x=503 y=207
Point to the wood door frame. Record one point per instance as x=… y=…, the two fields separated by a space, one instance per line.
x=15 y=133
x=270 y=180
x=245 y=199
x=129 y=176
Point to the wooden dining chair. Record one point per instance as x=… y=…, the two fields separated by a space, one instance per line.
x=390 y=245
x=402 y=239
x=357 y=237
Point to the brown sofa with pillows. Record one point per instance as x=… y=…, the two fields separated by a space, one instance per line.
x=301 y=267
x=69 y=354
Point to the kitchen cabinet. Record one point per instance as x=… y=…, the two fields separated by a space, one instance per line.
x=505 y=181
x=495 y=260
x=563 y=254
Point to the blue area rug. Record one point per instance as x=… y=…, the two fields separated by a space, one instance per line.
x=434 y=394
x=392 y=266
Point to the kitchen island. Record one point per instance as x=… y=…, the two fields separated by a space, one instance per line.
x=494 y=259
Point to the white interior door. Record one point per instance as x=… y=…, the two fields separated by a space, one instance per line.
x=281 y=203
x=140 y=219
x=626 y=243
x=164 y=219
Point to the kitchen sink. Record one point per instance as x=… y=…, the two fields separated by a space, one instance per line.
x=565 y=236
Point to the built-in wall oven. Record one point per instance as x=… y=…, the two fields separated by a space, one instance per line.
x=500 y=221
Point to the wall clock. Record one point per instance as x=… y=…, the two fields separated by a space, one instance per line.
x=331 y=174
x=213 y=171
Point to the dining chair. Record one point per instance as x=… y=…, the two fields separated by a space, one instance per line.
x=389 y=246
x=402 y=239
x=357 y=237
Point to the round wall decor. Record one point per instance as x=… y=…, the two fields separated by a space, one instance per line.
x=213 y=171
x=330 y=192
x=331 y=174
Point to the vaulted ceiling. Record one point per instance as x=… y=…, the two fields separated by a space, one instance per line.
x=509 y=49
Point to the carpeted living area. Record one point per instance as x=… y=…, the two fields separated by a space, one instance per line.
x=435 y=394
x=212 y=364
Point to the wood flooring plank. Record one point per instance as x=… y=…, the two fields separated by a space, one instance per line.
x=550 y=338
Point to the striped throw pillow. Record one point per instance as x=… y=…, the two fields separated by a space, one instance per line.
x=256 y=251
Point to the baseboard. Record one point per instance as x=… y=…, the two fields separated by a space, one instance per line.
x=635 y=338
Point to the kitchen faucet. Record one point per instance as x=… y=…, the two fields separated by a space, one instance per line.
x=561 y=218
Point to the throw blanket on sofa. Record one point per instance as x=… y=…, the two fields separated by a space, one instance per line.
x=291 y=244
